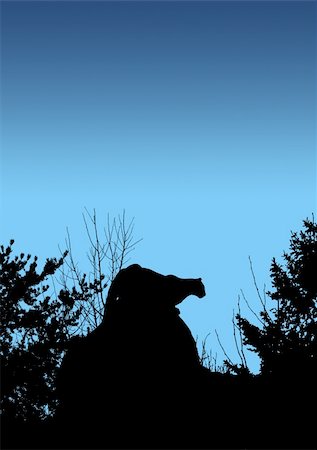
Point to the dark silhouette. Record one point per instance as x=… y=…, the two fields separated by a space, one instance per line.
x=286 y=343
x=286 y=339
x=33 y=334
x=136 y=381
x=130 y=382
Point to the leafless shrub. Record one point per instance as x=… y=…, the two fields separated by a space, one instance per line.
x=108 y=253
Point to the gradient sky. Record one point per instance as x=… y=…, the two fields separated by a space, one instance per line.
x=197 y=118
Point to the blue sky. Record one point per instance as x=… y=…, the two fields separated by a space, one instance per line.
x=197 y=118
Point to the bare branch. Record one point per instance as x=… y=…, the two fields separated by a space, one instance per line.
x=248 y=305
x=255 y=282
x=222 y=348
x=234 y=326
x=105 y=257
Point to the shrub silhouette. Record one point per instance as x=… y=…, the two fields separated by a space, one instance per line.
x=34 y=332
x=37 y=320
x=287 y=341
x=136 y=380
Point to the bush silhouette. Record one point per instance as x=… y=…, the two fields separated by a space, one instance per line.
x=34 y=333
x=37 y=318
x=287 y=340
x=136 y=380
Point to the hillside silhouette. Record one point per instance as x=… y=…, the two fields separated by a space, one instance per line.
x=129 y=369
x=136 y=380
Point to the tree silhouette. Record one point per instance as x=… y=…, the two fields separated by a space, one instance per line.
x=287 y=340
x=38 y=320
x=108 y=253
x=34 y=332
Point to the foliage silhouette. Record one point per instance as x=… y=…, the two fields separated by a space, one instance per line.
x=34 y=332
x=136 y=380
x=286 y=342
x=37 y=321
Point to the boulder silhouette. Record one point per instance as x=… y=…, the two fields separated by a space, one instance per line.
x=134 y=380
